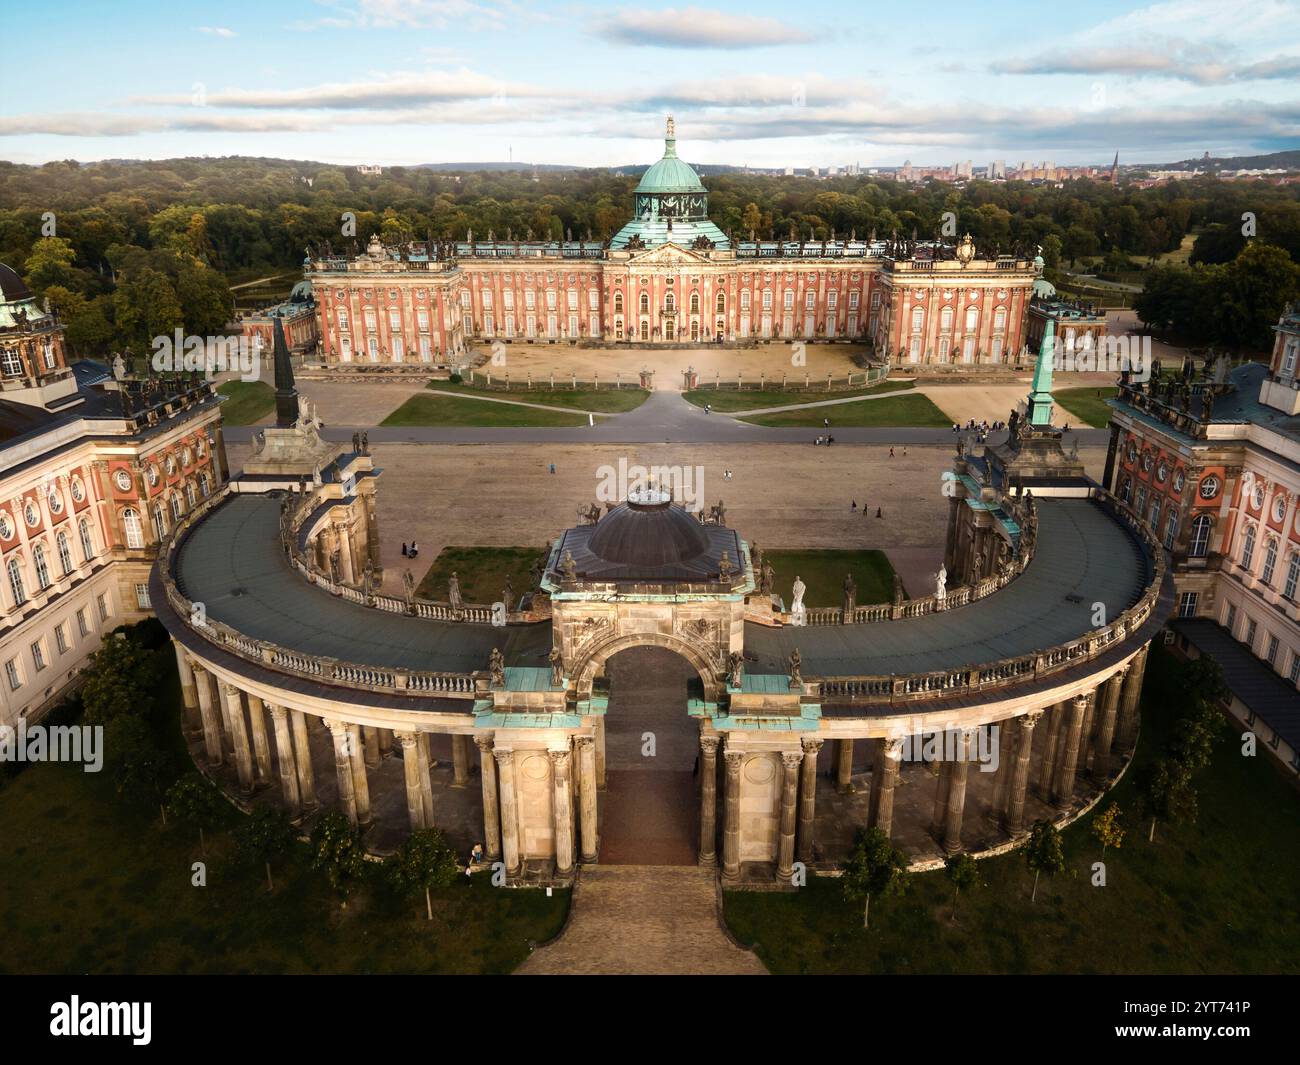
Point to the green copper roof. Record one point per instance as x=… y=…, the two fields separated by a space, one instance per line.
x=670 y=174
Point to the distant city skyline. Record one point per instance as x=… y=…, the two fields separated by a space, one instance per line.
x=401 y=82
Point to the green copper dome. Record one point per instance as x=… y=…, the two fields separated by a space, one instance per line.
x=670 y=174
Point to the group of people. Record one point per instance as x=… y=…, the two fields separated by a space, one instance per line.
x=828 y=439
x=866 y=512
x=411 y=551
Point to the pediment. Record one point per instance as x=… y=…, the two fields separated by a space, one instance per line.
x=667 y=254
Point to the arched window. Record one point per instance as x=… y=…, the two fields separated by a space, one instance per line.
x=695 y=303
x=65 y=552
x=191 y=493
x=1000 y=319
x=178 y=508
x=1200 y=537
x=1270 y=561
x=204 y=485
x=1292 y=575
x=1171 y=529
x=87 y=541
x=1248 y=547
x=42 y=567
x=945 y=318
x=670 y=302
x=16 y=582
x=1126 y=491
x=618 y=303
x=645 y=303
x=721 y=303
x=1154 y=514
x=918 y=318
x=159 y=522
x=132 y=527
x=972 y=318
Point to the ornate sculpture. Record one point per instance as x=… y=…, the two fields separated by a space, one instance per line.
x=735 y=669
x=589 y=515
x=850 y=593
x=898 y=590
x=796 y=666
x=408 y=586
x=508 y=593
x=453 y=592
x=557 y=667
x=368 y=579
x=724 y=565
x=941 y=583
x=568 y=568
x=497 y=667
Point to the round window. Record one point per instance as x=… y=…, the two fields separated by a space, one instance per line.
x=123 y=480
x=78 y=489
x=6 y=527
x=1210 y=487
x=31 y=513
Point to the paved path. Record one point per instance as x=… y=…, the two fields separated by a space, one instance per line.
x=511 y=402
x=665 y=417
x=641 y=920
x=820 y=403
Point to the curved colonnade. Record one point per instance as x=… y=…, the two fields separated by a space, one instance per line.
x=1028 y=659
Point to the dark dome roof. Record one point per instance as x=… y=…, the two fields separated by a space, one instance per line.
x=12 y=287
x=648 y=534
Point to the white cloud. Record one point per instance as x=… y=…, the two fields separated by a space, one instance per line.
x=695 y=27
x=217 y=31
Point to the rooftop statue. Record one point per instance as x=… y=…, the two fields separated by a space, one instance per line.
x=453 y=592
x=497 y=667
x=941 y=583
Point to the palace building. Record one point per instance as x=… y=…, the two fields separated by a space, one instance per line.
x=313 y=689
x=670 y=277
x=96 y=469
x=1211 y=461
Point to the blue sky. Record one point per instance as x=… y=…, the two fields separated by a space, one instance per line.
x=767 y=84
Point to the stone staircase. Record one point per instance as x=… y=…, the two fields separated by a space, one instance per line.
x=643 y=919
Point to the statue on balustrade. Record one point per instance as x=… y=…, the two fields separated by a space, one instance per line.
x=497 y=667
x=735 y=669
x=453 y=592
x=796 y=669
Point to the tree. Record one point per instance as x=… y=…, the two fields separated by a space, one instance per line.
x=1257 y=286
x=122 y=679
x=964 y=873
x=423 y=862
x=139 y=766
x=751 y=218
x=1106 y=828
x=1170 y=794
x=336 y=849
x=876 y=867
x=1043 y=853
x=50 y=263
x=194 y=801
x=266 y=834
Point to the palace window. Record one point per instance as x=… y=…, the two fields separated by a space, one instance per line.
x=550 y=299
x=853 y=301
x=1200 y=536
x=178 y=508
x=394 y=319
x=1248 y=547
x=1270 y=656
x=618 y=303
x=945 y=319
x=572 y=299
x=1252 y=626
x=191 y=493
x=16 y=587
x=1292 y=575
x=744 y=301
x=487 y=297
x=204 y=485
x=508 y=299
x=343 y=318
x=11 y=671
x=65 y=552
x=1154 y=516
x=61 y=637
x=38 y=656
x=645 y=303
x=695 y=303
x=42 y=567
x=767 y=299
x=918 y=318
x=132 y=528
x=720 y=304
x=370 y=319
x=972 y=319
x=1230 y=620
x=1187 y=604
x=1171 y=530
x=788 y=300
x=832 y=300
x=10 y=363
x=1270 y=561
x=159 y=522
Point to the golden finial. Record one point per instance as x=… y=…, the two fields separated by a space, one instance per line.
x=671 y=132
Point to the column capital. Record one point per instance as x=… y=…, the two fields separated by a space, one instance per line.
x=503 y=755
x=229 y=689
x=1080 y=702
x=484 y=741
x=406 y=739
x=792 y=759
x=337 y=728
x=1028 y=721
x=709 y=744
x=198 y=667
x=811 y=744
x=583 y=742
x=277 y=711
x=892 y=748
x=559 y=760
x=733 y=759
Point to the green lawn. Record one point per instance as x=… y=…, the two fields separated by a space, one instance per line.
x=482 y=572
x=892 y=411
x=1087 y=404
x=823 y=572
x=246 y=402
x=92 y=884
x=729 y=400
x=605 y=400
x=447 y=411
x=1218 y=896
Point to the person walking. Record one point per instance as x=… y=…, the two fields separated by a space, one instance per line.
x=404 y=549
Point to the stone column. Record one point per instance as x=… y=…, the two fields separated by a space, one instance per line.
x=1008 y=735
x=1107 y=719
x=347 y=572
x=563 y=803
x=491 y=811
x=957 y=795
x=284 y=754
x=587 y=797
x=261 y=742
x=360 y=783
x=881 y=814
x=343 y=769
x=600 y=753
x=386 y=741
x=1056 y=715
x=509 y=810
x=239 y=733
x=790 y=761
x=1015 y=820
x=808 y=800
x=302 y=747
x=1085 y=734
x=844 y=766
x=939 y=813
x=373 y=746
x=189 y=691
x=1127 y=726
x=1064 y=785
x=210 y=716
x=459 y=760
x=411 y=774
x=731 y=818
x=708 y=800
x=426 y=786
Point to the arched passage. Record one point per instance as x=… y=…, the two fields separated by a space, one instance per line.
x=650 y=806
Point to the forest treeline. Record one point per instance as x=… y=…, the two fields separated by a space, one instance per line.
x=128 y=250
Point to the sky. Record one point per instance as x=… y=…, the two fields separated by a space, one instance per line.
x=760 y=84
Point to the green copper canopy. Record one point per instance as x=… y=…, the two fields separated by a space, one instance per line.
x=1040 y=398
x=670 y=174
